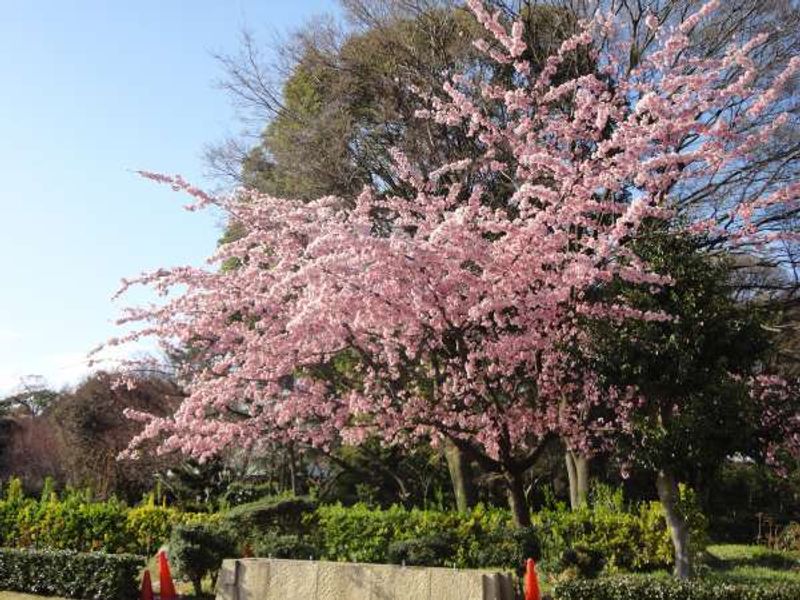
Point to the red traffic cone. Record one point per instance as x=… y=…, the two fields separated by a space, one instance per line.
x=531 y=581
x=147 y=587
x=167 y=591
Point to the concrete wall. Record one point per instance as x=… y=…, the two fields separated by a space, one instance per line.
x=275 y=579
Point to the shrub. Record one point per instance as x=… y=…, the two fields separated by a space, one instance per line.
x=241 y=492
x=70 y=523
x=90 y=576
x=482 y=537
x=633 y=538
x=581 y=562
x=431 y=551
x=283 y=512
x=359 y=533
x=198 y=549
x=275 y=545
x=789 y=538
x=509 y=547
x=76 y=522
x=616 y=535
x=690 y=509
x=647 y=588
x=147 y=527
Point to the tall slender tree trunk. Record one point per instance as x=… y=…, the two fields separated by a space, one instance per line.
x=578 y=475
x=516 y=500
x=461 y=476
x=669 y=495
x=292 y=470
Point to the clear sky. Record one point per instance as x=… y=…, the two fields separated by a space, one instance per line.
x=89 y=91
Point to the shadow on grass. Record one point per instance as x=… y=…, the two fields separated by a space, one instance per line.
x=749 y=564
x=767 y=560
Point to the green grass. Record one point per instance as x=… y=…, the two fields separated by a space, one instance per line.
x=738 y=563
x=750 y=564
x=734 y=563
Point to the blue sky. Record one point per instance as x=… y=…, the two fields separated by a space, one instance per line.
x=92 y=90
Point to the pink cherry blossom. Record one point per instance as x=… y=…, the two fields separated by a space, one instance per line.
x=459 y=317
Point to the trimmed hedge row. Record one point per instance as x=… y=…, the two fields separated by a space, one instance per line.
x=648 y=588
x=632 y=539
x=627 y=538
x=76 y=522
x=89 y=576
x=362 y=534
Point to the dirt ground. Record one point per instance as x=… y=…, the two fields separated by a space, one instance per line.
x=16 y=596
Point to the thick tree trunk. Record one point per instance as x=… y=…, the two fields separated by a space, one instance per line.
x=516 y=500
x=578 y=475
x=669 y=495
x=460 y=475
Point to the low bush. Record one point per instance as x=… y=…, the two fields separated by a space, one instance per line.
x=74 y=521
x=789 y=538
x=628 y=541
x=197 y=550
x=282 y=512
x=628 y=538
x=147 y=527
x=241 y=492
x=581 y=562
x=89 y=576
x=431 y=551
x=648 y=588
x=509 y=547
x=276 y=545
x=482 y=537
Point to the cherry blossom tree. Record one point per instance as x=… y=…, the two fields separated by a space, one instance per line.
x=445 y=312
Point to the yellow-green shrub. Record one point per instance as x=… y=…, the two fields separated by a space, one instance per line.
x=77 y=522
x=481 y=537
x=148 y=526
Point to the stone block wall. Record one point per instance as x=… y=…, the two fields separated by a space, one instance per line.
x=276 y=579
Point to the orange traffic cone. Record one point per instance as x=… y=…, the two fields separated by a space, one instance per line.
x=147 y=587
x=165 y=578
x=531 y=581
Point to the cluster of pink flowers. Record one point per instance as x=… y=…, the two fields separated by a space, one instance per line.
x=779 y=427
x=458 y=317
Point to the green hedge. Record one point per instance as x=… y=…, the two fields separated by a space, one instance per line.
x=648 y=588
x=628 y=541
x=89 y=576
x=74 y=521
x=147 y=527
x=279 y=512
x=482 y=537
x=627 y=538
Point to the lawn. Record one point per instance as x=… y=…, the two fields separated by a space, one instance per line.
x=745 y=564
x=751 y=564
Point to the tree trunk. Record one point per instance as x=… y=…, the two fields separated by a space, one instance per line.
x=669 y=495
x=516 y=500
x=292 y=472
x=578 y=475
x=460 y=475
